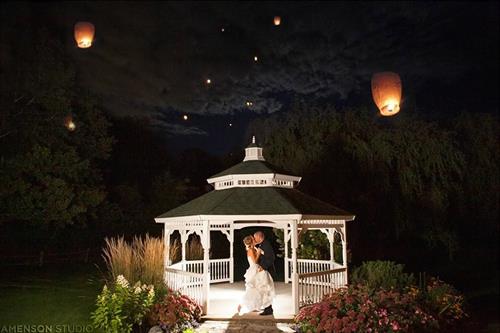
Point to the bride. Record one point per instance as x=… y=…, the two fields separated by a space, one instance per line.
x=259 y=286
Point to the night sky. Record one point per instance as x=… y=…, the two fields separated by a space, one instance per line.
x=153 y=59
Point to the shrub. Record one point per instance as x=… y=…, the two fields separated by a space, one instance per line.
x=444 y=301
x=382 y=274
x=175 y=313
x=122 y=306
x=358 y=309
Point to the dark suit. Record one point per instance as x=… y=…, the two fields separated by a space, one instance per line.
x=266 y=260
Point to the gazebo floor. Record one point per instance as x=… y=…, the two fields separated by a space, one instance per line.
x=225 y=297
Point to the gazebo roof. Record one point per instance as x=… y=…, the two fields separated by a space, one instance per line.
x=257 y=201
x=250 y=167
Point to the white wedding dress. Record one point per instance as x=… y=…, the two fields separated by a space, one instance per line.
x=259 y=288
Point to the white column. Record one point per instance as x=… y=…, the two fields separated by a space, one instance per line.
x=231 y=253
x=285 y=241
x=206 y=264
x=184 y=238
x=295 y=275
x=166 y=251
x=344 y=250
x=331 y=238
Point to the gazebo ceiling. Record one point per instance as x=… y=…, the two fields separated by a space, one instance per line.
x=257 y=201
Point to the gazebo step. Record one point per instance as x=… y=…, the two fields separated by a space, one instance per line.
x=252 y=316
x=247 y=326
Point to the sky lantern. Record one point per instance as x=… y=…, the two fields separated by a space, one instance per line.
x=386 y=92
x=277 y=20
x=84 y=34
x=69 y=123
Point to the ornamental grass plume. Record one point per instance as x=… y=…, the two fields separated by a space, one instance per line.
x=142 y=259
x=194 y=249
x=148 y=257
x=119 y=258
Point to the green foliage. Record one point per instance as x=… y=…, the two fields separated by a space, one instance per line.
x=444 y=300
x=51 y=175
x=406 y=179
x=382 y=274
x=313 y=245
x=47 y=187
x=122 y=306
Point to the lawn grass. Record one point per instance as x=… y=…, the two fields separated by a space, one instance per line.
x=62 y=295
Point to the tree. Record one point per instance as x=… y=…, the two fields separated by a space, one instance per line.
x=400 y=176
x=50 y=176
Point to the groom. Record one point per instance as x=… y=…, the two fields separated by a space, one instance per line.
x=266 y=261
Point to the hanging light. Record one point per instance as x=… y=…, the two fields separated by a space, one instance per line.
x=277 y=20
x=84 y=34
x=69 y=123
x=209 y=81
x=185 y=117
x=255 y=58
x=386 y=92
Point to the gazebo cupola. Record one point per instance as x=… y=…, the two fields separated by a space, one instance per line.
x=254 y=171
x=253 y=152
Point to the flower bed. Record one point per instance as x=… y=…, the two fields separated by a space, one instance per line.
x=123 y=308
x=437 y=306
x=355 y=309
x=175 y=313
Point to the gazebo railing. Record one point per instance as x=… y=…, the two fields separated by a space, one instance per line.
x=309 y=266
x=314 y=286
x=219 y=268
x=187 y=283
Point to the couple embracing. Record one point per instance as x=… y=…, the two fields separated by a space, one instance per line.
x=259 y=285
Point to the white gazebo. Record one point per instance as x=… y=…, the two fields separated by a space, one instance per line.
x=253 y=193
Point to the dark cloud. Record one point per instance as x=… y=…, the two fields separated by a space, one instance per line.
x=154 y=56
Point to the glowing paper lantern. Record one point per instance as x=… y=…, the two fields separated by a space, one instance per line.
x=84 y=34
x=386 y=92
x=277 y=20
x=69 y=123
